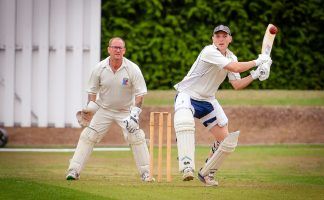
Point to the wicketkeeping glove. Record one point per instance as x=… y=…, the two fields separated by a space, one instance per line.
x=132 y=121
x=84 y=117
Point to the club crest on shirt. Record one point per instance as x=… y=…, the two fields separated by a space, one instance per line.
x=125 y=81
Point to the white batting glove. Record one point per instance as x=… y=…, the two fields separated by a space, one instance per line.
x=265 y=70
x=132 y=121
x=262 y=59
x=255 y=73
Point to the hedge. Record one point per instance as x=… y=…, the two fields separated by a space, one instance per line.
x=164 y=37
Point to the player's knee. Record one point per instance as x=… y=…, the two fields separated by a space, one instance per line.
x=90 y=135
x=136 y=138
x=221 y=119
x=222 y=122
x=184 y=121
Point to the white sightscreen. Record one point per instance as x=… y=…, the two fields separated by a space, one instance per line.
x=47 y=48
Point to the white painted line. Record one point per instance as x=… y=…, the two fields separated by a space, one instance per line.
x=61 y=150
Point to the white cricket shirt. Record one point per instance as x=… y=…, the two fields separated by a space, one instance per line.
x=207 y=73
x=117 y=91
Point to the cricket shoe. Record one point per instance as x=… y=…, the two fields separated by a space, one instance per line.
x=146 y=177
x=188 y=174
x=209 y=180
x=72 y=175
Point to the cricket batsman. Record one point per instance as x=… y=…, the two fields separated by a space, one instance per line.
x=196 y=99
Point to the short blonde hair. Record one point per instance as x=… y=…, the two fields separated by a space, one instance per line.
x=115 y=38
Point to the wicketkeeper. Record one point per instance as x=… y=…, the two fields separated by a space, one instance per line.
x=196 y=99
x=115 y=94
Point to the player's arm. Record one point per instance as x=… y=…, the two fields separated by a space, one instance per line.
x=85 y=115
x=241 y=83
x=93 y=89
x=239 y=67
x=254 y=74
x=132 y=122
x=139 y=101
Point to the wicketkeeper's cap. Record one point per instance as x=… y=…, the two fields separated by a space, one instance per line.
x=222 y=28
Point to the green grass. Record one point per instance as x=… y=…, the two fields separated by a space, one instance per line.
x=251 y=172
x=247 y=97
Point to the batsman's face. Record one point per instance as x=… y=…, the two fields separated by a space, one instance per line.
x=117 y=49
x=221 y=40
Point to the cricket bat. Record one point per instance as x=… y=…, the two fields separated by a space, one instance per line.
x=268 y=39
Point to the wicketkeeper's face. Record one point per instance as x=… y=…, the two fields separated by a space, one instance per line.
x=222 y=40
x=117 y=49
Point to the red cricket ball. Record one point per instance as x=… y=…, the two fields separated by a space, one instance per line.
x=273 y=30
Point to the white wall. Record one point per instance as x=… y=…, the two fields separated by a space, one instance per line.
x=47 y=48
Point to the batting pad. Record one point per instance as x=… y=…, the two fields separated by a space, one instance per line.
x=140 y=151
x=184 y=126
x=225 y=148
x=83 y=150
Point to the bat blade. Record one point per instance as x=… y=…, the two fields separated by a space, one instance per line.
x=268 y=41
